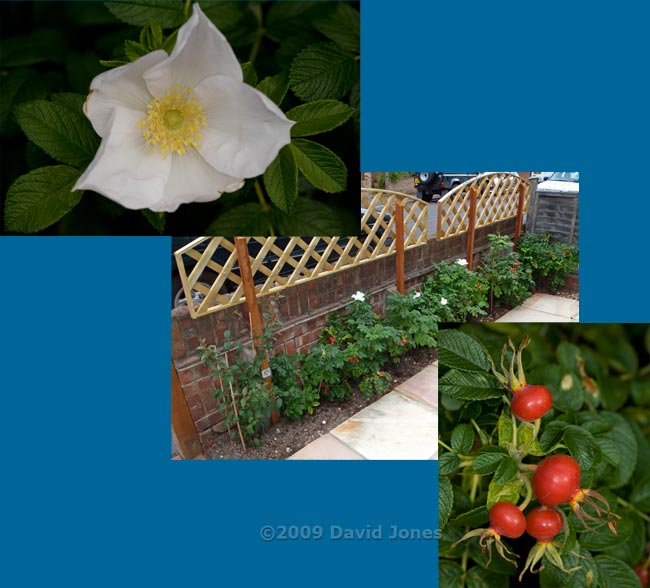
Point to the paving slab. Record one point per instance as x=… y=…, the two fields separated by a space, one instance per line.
x=543 y=308
x=394 y=427
x=423 y=386
x=326 y=447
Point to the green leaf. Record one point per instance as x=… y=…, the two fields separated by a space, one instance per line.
x=582 y=445
x=447 y=463
x=469 y=386
x=319 y=116
x=12 y=82
x=462 y=438
x=151 y=36
x=602 y=538
x=224 y=14
x=112 y=62
x=39 y=46
x=275 y=87
x=508 y=492
x=445 y=501
x=472 y=518
x=342 y=27
x=246 y=219
x=285 y=18
x=462 y=352
x=614 y=392
x=505 y=430
x=585 y=577
x=609 y=450
x=309 y=218
x=631 y=551
x=506 y=471
x=569 y=356
x=250 y=75
x=65 y=135
x=134 y=50
x=613 y=573
x=552 y=435
x=322 y=71
x=617 y=350
x=156 y=219
x=625 y=441
x=640 y=495
x=640 y=390
x=320 y=166
x=168 y=13
x=281 y=180
x=170 y=42
x=36 y=157
x=450 y=574
x=41 y=198
x=487 y=463
x=71 y=101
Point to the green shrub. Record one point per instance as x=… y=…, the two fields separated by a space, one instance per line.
x=550 y=262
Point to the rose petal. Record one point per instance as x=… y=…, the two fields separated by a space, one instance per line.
x=201 y=50
x=245 y=129
x=123 y=170
x=192 y=179
x=122 y=87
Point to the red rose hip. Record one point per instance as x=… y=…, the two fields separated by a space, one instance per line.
x=530 y=403
x=556 y=480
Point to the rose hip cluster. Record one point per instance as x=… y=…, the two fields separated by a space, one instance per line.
x=555 y=481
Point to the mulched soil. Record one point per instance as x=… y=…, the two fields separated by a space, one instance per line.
x=286 y=437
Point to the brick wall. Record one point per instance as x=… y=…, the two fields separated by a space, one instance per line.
x=303 y=311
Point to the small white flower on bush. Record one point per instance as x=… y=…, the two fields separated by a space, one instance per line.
x=417 y=294
x=461 y=261
x=359 y=296
x=180 y=128
x=443 y=301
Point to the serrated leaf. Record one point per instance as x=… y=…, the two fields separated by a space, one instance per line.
x=151 y=36
x=505 y=430
x=447 y=463
x=275 y=87
x=323 y=168
x=625 y=441
x=631 y=551
x=462 y=438
x=250 y=75
x=487 y=463
x=477 y=577
x=584 y=577
x=613 y=573
x=133 y=50
x=40 y=198
x=156 y=219
x=473 y=518
x=640 y=495
x=281 y=180
x=246 y=219
x=112 y=62
x=462 y=352
x=508 y=492
x=168 y=13
x=71 y=101
x=65 y=135
x=450 y=574
x=342 y=26
x=322 y=71
x=170 y=42
x=309 y=218
x=609 y=450
x=552 y=434
x=319 y=116
x=506 y=471
x=445 y=501
x=582 y=445
x=469 y=385
x=569 y=356
x=224 y=14
x=39 y=46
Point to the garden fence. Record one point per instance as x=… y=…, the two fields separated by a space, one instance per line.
x=210 y=271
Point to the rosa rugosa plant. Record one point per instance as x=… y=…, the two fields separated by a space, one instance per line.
x=578 y=472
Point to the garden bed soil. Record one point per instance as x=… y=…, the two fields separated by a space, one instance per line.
x=284 y=438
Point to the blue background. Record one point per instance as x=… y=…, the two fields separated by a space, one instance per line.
x=89 y=494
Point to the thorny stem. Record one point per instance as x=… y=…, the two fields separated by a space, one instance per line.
x=633 y=508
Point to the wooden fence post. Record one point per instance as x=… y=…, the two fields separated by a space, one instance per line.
x=520 y=213
x=187 y=439
x=257 y=326
x=471 y=228
x=399 y=245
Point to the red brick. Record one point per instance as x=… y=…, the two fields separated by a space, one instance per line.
x=186 y=376
x=195 y=406
x=208 y=421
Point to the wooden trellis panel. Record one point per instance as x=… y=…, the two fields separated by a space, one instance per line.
x=497 y=197
x=281 y=262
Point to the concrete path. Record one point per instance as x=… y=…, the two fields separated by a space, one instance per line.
x=543 y=308
x=403 y=424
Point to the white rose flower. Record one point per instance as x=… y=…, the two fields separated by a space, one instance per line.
x=417 y=295
x=359 y=296
x=443 y=301
x=180 y=128
x=461 y=261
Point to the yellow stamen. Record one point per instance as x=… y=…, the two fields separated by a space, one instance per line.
x=173 y=122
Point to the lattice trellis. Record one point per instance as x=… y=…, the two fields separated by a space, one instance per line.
x=497 y=198
x=209 y=268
